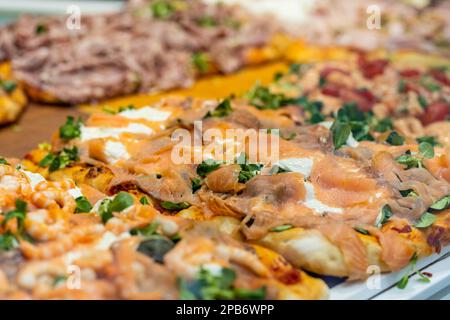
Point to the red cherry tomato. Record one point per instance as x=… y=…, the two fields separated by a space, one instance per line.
x=371 y=69
x=438 y=111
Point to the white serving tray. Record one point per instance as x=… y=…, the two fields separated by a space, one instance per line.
x=438 y=265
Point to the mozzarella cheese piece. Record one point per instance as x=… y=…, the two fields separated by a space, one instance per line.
x=315 y=204
x=90 y=133
x=34 y=178
x=115 y=151
x=75 y=192
x=300 y=165
x=147 y=113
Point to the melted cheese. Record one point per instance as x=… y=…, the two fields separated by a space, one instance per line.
x=34 y=178
x=315 y=204
x=90 y=133
x=147 y=113
x=115 y=151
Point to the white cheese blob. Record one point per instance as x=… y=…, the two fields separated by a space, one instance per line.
x=34 y=178
x=89 y=133
x=147 y=113
x=75 y=192
x=115 y=151
x=351 y=141
x=315 y=204
x=300 y=165
x=108 y=238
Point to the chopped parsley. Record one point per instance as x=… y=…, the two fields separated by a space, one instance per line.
x=41 y=29
x=409 y=160
x=352 y=121
x=55 y=161
x=217 y=285
x=175 y=206
x=395 y=139
x=144 y=200
x=3 y=161
x=19 y=213
x=261 y=98
x=223 y=109
x=313 y=108
x=207 y=21
x=8 y=85
x=384 y=216
x=206 y=167
x=149 y=230
x=196 y=184
x=248 y=170
x=162 y=9
x=83 y=205
x=71 y=129
x=200 y=61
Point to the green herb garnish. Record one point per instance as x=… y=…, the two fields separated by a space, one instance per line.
x=8 y=85
x=211 y=286
x=71 y=129
x=223 y=109
x=426 y=220
x=162 y=9
x=174 y=206
x=83 y=205
x=384 y=216
x=206 y=167
x=281 y=228
x=59 y=160
x=200 y=61
x=395 y=139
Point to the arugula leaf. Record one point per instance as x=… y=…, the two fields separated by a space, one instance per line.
x=162 y=9
x=384 y=216
x=3 y=161
x=71 y=129
x=216 y=286
x=206 y=167
x=173 y=206
x=441 y=204
x=83 y=205
x=8 y=85
x=200 y=61
x=426 y=150
x=431 y=140
x=395 y=139
x=196 y=184
x=281 y=228
x=426 y=220
x=223 y=109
